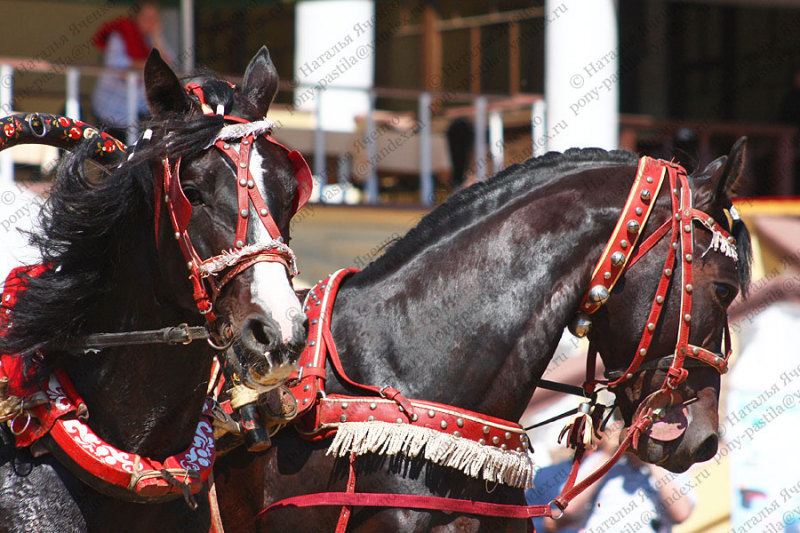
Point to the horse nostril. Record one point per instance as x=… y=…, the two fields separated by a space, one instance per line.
x=260 y=333
x=299 y=332
x=707 y=450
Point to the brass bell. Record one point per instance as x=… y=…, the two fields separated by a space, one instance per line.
x=598 y=294
x=581 y=324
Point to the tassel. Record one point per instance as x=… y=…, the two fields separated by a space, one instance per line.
x=580 y=431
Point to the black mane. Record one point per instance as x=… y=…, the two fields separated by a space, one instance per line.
x=487 y=196
x=88 y=228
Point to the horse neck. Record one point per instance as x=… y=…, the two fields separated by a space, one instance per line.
x=143 y=399
x=474 y=319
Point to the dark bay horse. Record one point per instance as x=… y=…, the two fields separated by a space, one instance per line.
x=117 y=250
x=467 y=310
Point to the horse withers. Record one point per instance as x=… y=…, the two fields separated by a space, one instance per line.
x=467 y=310
x=188 y=231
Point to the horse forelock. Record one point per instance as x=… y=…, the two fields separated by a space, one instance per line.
x=485 y=198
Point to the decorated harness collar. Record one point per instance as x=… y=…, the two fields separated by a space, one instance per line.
x=386 y=422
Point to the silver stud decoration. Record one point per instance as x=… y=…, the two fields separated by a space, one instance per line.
x=507 y=435
x=496 y=439
x=345 y=405
x=687 y=228
x=245 y=142
x=642 y=352
x=649 y=179
x=250 y=184
x=606 y=275
x=370 y=418
x=243 y=164
x=242 y=182
x=651 y=326
x=638 y=211
x=581 y=324
x=485 y=429
x=598 y=294
x=617 y=259
x=414 y=417
x=189 y=265
x=695 y=350
x=443 y=424
x=343 y=418
x=226 y=146
x=623 y=244
x=688 y=258
x=689 y=287
x=373 y=406
x=431 y=413
x=263 y=212
x=177 y=235
x=668 y=272
x=482 y=442
x=660 y=299
x=239 y=244
x=687 y=317
x=645 y=195
x=460 y=422
x=245 y=213
x=456 y=433
x=399 y=421
x=633 y=226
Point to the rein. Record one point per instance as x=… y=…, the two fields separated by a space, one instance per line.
x=620 y=253
x=53 y=407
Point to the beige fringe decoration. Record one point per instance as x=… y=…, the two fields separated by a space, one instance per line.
x=479 y=461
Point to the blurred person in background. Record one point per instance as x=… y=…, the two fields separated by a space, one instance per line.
x=632 y=496
x=126 y=43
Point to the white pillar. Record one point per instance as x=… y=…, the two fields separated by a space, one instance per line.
x=187 y=35
x=335 y=47
x=581 y=74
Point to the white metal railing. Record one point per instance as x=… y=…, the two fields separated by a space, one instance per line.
x=483 y=119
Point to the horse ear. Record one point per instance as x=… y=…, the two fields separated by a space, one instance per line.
x=164 y=92
x=261 y=81
x=721 y=176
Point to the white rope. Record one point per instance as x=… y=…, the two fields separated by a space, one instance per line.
x=234 y=132
x=478 y=461
x=228 y=258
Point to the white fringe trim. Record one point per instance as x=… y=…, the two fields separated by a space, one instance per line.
x=228 y=258
x=722 y=245
x=234 y=132
x=479 y=461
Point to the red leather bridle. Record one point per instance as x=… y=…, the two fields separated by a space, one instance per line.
x=619 y=256
x=203 y=272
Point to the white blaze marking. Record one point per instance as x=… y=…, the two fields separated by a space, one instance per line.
x=271 y=287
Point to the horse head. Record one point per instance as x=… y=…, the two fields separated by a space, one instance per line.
x=681 y=403
x=227 y=202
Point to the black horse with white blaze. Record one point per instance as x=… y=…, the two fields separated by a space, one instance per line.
x=209 y=191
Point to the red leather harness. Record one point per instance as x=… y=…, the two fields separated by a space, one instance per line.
x=50 y=406
x=323 y=413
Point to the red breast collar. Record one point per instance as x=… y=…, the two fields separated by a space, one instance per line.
x=33 y=410
x=470 y=441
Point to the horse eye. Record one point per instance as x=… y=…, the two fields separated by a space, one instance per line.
x=724 y=293
x=192 y=194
